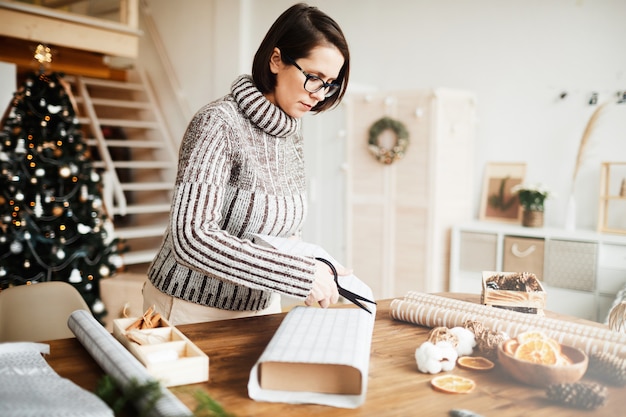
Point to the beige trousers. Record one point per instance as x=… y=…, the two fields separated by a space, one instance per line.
x=178 y=311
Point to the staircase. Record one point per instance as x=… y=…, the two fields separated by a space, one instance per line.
x=133 y=150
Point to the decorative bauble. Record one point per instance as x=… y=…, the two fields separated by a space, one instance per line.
x=104 y=271
x=16 y=247
x=75 y=276
x=97 y=307
x=397 y=151
x=54 y=109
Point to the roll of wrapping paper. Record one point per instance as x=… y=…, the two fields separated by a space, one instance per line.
x=433 y=311
x=120 y=364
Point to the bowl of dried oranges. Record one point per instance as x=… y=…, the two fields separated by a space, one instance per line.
x=535 y=359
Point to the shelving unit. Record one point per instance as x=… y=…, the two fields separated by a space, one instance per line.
x=581 y=271
x=612 y=209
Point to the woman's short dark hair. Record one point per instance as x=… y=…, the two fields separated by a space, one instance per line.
x=296 y=32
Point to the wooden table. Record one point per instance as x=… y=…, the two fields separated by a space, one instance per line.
x=396 y=387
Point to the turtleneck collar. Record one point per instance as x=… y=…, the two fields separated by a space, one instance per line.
x=265 y=115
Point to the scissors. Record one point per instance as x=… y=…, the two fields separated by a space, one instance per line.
x=354 y=298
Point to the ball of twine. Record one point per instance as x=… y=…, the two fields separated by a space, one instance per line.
x=442 y=334
x=487 y=341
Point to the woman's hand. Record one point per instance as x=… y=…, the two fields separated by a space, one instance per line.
x=324 y=291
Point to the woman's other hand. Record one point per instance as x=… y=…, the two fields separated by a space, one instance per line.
x=324 y=291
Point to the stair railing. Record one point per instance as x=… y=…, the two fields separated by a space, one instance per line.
x=112 y=185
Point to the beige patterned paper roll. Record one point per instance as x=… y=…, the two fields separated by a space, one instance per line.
x=432 y=311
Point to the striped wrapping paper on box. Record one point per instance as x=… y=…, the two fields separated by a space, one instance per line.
x=433 y=311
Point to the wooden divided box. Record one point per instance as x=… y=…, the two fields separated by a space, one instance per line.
x=522 y=300
x=165 y=351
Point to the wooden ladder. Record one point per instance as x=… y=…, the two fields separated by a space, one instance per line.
x=133 y=150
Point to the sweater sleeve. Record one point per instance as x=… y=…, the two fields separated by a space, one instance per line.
x=200 y=243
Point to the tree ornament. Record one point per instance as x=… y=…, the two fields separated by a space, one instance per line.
x=117 y=261
x=16 y=247
x=38 y=209
x=98 y=307
x=104 y=271
x=75 y=277
x=20 y=148
x=581 y=395
x=397 y=151
x=54 y=109
x=607 y=367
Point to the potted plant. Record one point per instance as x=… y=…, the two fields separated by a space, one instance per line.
x=532 y=198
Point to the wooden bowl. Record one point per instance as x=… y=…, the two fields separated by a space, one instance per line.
x=540 y=375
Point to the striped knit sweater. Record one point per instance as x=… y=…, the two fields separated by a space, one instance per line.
x=240 y=172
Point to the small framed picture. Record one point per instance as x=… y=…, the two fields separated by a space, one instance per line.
x=498 y=203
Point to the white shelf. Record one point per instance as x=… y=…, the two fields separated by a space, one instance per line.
x=582 y=269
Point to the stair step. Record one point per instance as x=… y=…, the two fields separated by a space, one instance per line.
x=137 y=124
x=139 y=257
x=128 y=143
x=140 y=231
x=122 y=85
x=147 y=186
x=143 y=164
x=144 y=208
x=128 y=104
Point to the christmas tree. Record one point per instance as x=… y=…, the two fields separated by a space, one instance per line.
x=53 y=226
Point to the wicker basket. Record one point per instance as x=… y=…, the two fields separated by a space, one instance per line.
x=532 y=218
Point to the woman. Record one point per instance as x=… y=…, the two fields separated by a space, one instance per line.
x=241 y=173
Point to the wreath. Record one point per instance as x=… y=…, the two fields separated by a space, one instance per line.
x=384 y=155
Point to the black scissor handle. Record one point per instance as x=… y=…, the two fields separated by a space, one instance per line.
x=354 y=298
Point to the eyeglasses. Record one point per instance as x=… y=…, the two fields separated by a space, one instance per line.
x=313 y=83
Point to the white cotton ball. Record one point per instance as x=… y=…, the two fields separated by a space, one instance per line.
x=466 y=340
x=433 y=359
x=447 y=355
x=425 y=358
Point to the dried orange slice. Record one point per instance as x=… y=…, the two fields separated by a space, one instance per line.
x=538 y=335
x=510 y=346
x=531 y=335
x=453 y=384
x=477 y=363
x=537 y=351
x=563 y=360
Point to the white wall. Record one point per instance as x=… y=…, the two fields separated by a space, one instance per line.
x=517 y=57
x=7 y=84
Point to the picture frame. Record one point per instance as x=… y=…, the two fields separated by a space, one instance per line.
x=498 y=203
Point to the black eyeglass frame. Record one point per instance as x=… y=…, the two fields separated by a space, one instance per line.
x=333 y=88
